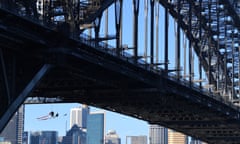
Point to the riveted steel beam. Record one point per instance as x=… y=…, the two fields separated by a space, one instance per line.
x=12 y=108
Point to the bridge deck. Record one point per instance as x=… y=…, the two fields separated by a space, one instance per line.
x=84 y=72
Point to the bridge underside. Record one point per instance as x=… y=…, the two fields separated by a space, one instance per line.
x=180 y=109
x=170 y=110
x=36 y=63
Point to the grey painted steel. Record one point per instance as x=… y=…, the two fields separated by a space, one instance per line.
x=152 y=2
x=166 y=40
x=157 y=33
x=5 y=77
x=146 y=30
x=190 y=47
x=23 y=95
x=135 y=28
x=97 y=24
x=118 y=19
x=200 y=34
x=178 y=41
x=106 y=25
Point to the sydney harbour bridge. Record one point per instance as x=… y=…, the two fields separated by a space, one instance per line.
x=169 y=62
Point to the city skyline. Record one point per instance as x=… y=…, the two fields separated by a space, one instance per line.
x=156 y=132
x=203 y=60
x=62 y=122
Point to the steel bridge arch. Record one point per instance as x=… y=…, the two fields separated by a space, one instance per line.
x=184 y=27
x=195 y=41
x=203 y=27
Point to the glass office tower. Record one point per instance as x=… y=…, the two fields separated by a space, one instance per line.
x=44 y=137
x=95 y=128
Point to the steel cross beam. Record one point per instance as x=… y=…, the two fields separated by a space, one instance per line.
x=135 y=28
x=12 y=108
x=195 y=10
x=104 y=5
x=118 y=21
x=4 y=77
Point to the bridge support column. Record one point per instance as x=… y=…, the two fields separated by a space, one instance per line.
x=225 y=60
x=200 y=37
x=209 y=45
x=166 y=41
x=146 y=29
x=190 y=46
x=233 y=68
x=152 y=33
x=4 y=77
x=218 y=47
x=106 y=25
x=97 y=24
x=118 y=20
x=157 y=33
x=135 y=28
x=177 y=57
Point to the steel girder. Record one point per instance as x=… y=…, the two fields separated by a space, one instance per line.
x=20 y=72
x=211 y=24
x=198 y=28
x=14 y=103
x=216 y=24
x=193 y=117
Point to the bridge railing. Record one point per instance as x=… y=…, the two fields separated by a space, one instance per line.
x=143 y=64
x=107 y=48
x=204 y=91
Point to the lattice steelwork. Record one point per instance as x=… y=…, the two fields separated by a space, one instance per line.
x=213 y=31
x=208 y=29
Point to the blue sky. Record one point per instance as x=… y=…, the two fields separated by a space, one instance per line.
x=123 y=125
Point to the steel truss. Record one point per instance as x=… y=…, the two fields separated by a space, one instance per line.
x=212 y=29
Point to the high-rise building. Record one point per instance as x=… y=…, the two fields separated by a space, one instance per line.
x=20 y=124
x=2 y=141
x=25 y=138
x=75 y=135
x=35 y=137
x=112 y=138
x=14 y=129
x=78 y=116
x=136 y=140
x=5 y=142
x=158 y=135
x=95 y=128
x=176 y=137
x=44 y=137
x=192 y=140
